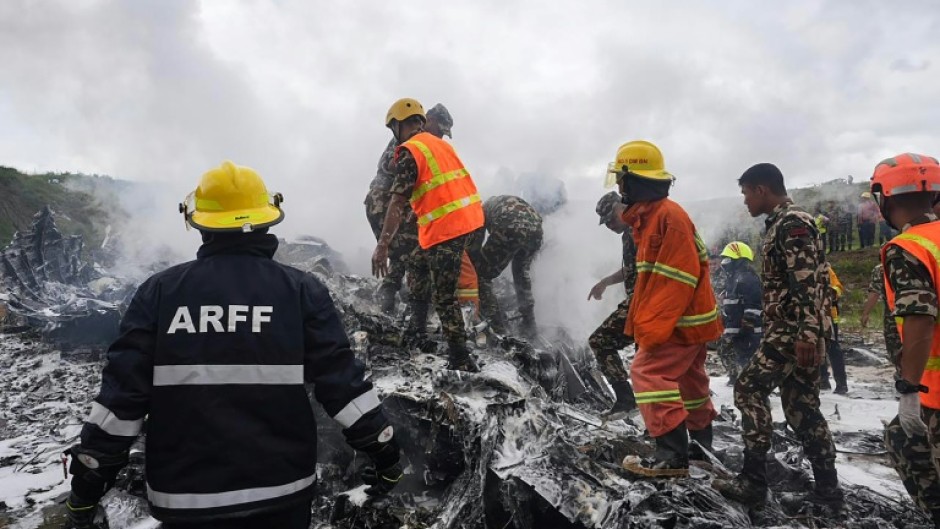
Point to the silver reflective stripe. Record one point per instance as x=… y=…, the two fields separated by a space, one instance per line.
x=227 y=374
x=736 y=330
x=209 y=500
x=359 y=406
x=910 y=188
x=108 y=421
x=752 y=311
x=731 y=302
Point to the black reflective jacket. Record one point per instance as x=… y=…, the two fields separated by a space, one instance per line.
x=741 y=306
x=215 y=353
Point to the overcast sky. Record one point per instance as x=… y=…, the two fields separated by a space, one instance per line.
x=162 y=91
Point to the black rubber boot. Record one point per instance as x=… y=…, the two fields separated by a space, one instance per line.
x=670 y=460
x=837 y=359
x=527 y=328
x=415 y=336
x=625 y=403
x=750 y=486
x=703 y=439
x=827 y=492
x=460 y=359
x=418 y=324
x=386 y=298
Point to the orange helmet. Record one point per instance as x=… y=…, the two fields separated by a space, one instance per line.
x=905 y=173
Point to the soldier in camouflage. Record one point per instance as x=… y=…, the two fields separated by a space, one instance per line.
x=609 y=339
x=513 y=232
x=406 y=238
x=405 y=241
x=435 y=270
x=795 y=282
x=904 y=188
x=911 y=450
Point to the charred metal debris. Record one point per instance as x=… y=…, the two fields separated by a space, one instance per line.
x=519 y=445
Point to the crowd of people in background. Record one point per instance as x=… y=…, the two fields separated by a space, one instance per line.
x=837 y=220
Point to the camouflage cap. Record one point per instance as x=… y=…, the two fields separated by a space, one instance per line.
x=440 y=114
x=605 y=206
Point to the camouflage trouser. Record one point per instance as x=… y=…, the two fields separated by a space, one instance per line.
x=435 y=273
x=736 y=352
x=799 y=394
x=491 y=258
x=916 y=458
x=607 y=341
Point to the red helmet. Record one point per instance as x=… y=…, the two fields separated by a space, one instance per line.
x=905 y=173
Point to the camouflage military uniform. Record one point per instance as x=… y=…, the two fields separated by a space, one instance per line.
x=876 y=285
x=607 y=340
x=795 y=282
x=435 y=271
x=914 y=457
x=513 y=235
x=406 y=239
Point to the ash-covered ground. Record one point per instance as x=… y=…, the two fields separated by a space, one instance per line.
x=519 y=445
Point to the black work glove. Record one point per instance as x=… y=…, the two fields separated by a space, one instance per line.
x=93 y=473
x=383 y=450
x=382 y=481
x=81 y=513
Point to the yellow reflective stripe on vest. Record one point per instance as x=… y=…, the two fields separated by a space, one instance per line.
x=437 y=179
x=668 y=271
x=698 y=319
x=447 y=209
x=432 y=162
x=468 y=293
x=695 y=404
x=650 y=397
x=924 y=242
x=933 y=364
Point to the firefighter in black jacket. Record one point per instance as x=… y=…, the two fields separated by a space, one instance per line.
x=215 y=354
x=740 y=309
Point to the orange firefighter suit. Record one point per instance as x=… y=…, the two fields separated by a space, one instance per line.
x=672 y=315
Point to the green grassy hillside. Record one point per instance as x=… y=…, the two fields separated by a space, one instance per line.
x=854 y=270
x=22 y=195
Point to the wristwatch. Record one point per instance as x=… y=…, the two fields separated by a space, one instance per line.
x=904 y=387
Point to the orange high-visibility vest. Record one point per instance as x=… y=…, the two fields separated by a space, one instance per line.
x=468 y=286
x=923 y=242
x=445 y=199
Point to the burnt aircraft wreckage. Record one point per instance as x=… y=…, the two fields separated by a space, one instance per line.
x=520 y=444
